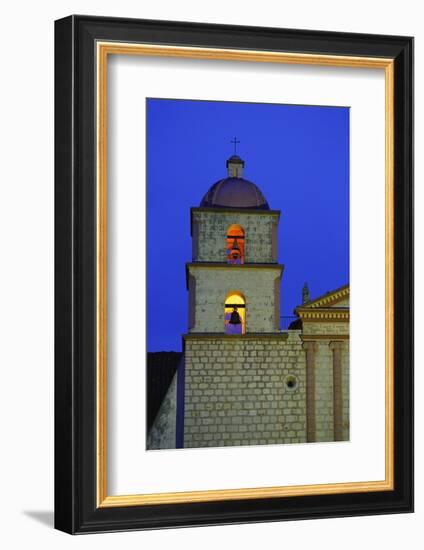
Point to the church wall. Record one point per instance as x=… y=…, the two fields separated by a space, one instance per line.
x=324 y=392
x=191 y=301
x=345 y=391
x=211 y=235
x=328 y=327
x=164 y=429
x=326 y=333
x=213 y=285
x=236 y=390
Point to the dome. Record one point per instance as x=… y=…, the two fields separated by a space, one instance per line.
x=234 y=193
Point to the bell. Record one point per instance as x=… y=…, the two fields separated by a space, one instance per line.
x=235 y=318
x=235 y=251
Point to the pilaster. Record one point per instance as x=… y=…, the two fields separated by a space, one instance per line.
x=310 y=347
x=337 y=348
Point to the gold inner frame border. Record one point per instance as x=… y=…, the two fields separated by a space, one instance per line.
x=103 y=50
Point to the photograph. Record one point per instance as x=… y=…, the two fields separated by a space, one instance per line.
x=247 y=273
x=218 y=189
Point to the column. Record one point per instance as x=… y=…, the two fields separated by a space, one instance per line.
x=310 y=348
x=337 y=348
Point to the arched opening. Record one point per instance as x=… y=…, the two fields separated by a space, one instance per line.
x=235 y=313
x=235 y=244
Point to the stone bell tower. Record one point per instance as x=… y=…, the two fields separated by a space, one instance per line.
x=234 y=262
x=233 y=283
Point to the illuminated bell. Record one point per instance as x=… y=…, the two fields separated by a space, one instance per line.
x=235 y=318
x=235 y=251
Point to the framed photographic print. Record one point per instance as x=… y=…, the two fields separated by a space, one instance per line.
x=234 y=274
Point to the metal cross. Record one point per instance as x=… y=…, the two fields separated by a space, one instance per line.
x=235 y=141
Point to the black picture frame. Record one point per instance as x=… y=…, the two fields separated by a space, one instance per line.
x=76 y=510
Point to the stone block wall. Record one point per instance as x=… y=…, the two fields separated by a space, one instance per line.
x=326 y=335
x=324 y=389
x=247 y=390
x=325 y=328
x=345 y=390
x=252 y=390
x=212 y=285
x=209 y=232
x=324 y=392
x=163 y=432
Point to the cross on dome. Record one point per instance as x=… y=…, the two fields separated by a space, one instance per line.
x=235 y=141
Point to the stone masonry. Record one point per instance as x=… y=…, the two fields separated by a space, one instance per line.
x=214 y=283
x=244 y=390
x=209 y=231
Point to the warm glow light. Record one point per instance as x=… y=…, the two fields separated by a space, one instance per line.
x=235 y=299
x=235 y=244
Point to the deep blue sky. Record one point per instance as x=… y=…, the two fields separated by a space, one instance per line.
x=297 y=155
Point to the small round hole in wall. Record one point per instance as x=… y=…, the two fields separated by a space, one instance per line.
x=291 y=382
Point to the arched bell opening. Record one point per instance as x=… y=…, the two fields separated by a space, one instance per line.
x=235 y=313
x=235 y=244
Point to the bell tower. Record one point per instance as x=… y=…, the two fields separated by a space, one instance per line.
x=234 y=277
x=233 y=283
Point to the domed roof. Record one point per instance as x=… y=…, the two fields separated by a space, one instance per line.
x=235 y=191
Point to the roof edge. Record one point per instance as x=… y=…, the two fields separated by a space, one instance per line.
x=241 y=210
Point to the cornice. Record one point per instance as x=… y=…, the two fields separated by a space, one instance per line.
x=225 y=265
x=324 y=315
x=325 y=337
x=236 y=337
x=229 y=210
